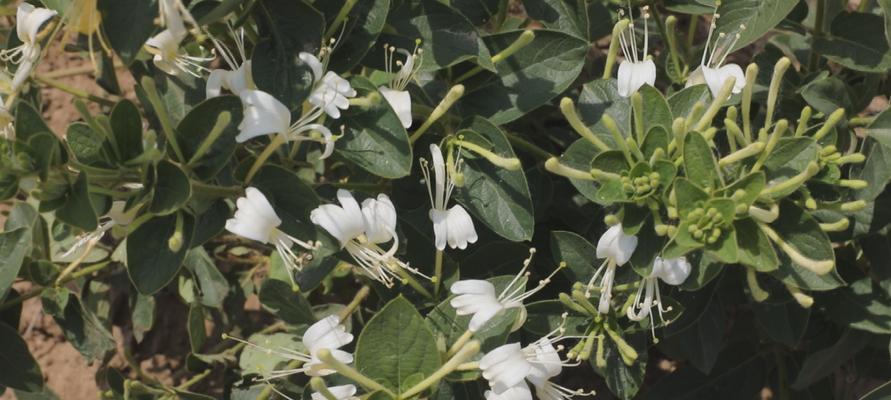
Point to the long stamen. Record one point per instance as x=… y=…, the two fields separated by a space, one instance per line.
x=646 y=16
x=590 y=285
x=522 y=272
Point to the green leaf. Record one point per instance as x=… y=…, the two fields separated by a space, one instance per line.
x=782 y=318
x=689 y=196
x=364 y=25
x=584 y=20
x=288 y=27
x=498 y=197
x=126 y=125
x=755 y=249
x=821 y=363
x=886 y=9
x=85 y=144
x=578 y=253
x=15 y=244
x=77 y=209
x=81 y=327
x=699 y=162
x=28 y=122
x=278 y=296
x=790 y=157
x=601 y=97
x=863 y=305
x=143 y=316
x=698 y=335
x=803 y=232
x=579 y=156
x=395 y=344
x=738 y=374
x=291 y=197
x=447 y=37
x=827 y=93
x=682 y=102
x=194 y=129
x=151 y=264
x=857 y=42
x=257 y=360
x=751 y=185
x=375 y=139
x=212 y=285
x=531 y=77
x=758 y=17
x=128 y=25
x=623 y=380
x=656 y=138
x=172 y=189
x=195 y=327
x=656 y=111
x=20 y=370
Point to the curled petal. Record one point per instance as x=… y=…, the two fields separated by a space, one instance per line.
x=519 y=392
x=344 y=222
x=327 y=333
x=314 y=64
x=616 y=244
x=673 y=271
x=29 y=19
x=263 y=115
x=715 y=78
x=380 y=219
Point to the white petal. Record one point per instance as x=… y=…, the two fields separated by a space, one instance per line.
x=241 y=79
x=380 y=219
x=400 y=101
x=616 y=244
x=473 y=286
x=261 y=204
x=215 y=83
x=345 y=222
x=439 y=176
x=29 y=20
x=327 y=333
x=314 y=64
x=460 y=228
x=263 y=115
x=440 y=228
x=505 y=366
x=519 y=392
x=22 y=73
x=344 y=392
x=673 y=271
x=715 y=78
x=482 y=316
x=695 y=78
x=633 y=75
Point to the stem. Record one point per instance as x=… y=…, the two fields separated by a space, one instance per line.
x=466 y=352
x=222 y=122
x=528 y=146
x=273 y=145
x=460 y=342
x=819 y=21
x=148 y=84
x=214 y=190
x=351 y=373
x=525 y=38
x=407 y=278
x=341 y=16
x=73 y=90
x=437 y=273
x=37 y=292
x=454 y=93
x=195 y=379
x=74 y=264
x=357 y=299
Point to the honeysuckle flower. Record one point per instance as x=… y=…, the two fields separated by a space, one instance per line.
x=518 y=392
x=29 y=20
x=168 y=55
x=238 y=77
x=328 y=333
x=454 y=225
x=255 y=219
x=116 y=216
x=637 y=69
x=264 y=115
x=395 y=92
x=173 y=13
x=360 y=232
x=331 y=93
x=509 y=365
x=616 y=248
x=478 y=298
x=672 y=271
x=712 y=70
x=343 y=392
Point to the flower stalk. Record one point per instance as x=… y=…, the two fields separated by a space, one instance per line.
x=351 y=373
x=467 y=351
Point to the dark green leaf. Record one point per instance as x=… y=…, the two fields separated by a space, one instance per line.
x=172 y=189
x=758 y=17
x=81 y=326
x=151 y=263
x=857 y=42
x=364 y=24
x=823 y=362
x=194 y=129
x=77 y=210
x=699 y=162
x=15 y=244
x=20 y=370
x=128 y=25
x=755 y=249
x=126 y=125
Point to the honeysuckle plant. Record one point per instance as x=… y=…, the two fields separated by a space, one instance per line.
x=292 y=215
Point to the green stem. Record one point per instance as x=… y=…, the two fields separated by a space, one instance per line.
x=37 y=292
x=148 y=84
x=411 y=281
x=465 y=353
x=74 y=91
x=525 y=38
x=437 y=273
x=341 y=17
x=357 y=300
x=530 y=147
x=195 y=379
x=351 y=373
x=454 y=93
x=214 y=190
x=273 y=145
x=819 y=22
x=222 y=122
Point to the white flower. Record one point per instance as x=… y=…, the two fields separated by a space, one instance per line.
x=255 y=219
x=264 y=115
x=712 y=70
x=327 y=333
x=360 y=231
x=616 y=247
x=238 y=77
x=477 y=297
x=331 y=93
x=115 y=216
x=29 y=20
x=673 y=272
x=166 y=49
x=637 y=69
x=395 y=93
x=518 y=392
x=509 y=365
x=453 y=226
x=343 y=392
